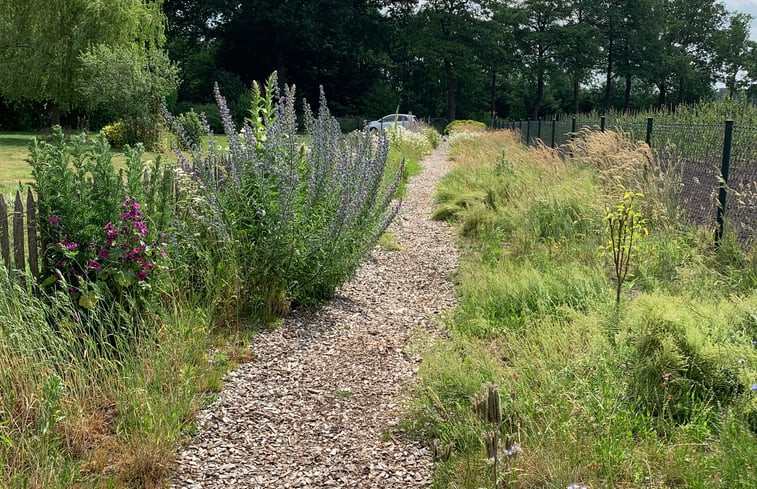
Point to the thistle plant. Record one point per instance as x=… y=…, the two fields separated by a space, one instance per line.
x=624 y=225
x=488 y=408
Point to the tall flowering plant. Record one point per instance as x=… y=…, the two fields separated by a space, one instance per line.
x=121 y=260
x=298 y=212
x=99 y=245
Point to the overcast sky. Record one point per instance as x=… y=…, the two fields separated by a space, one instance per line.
x=747 y=6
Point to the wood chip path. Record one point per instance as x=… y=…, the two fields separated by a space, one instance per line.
x=317 y=406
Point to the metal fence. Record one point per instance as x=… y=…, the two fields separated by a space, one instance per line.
x=717 y=163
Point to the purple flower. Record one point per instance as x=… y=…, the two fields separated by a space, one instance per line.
x=141 y=275
x=54 y=220
x=94 y=265
x=103 y=254
x=69 y=245
x=512 y=451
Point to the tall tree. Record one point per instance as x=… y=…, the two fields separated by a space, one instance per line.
x=579 y=47
x=447 y=33
x=42 y=41
x=733 y=51
x=539 y=26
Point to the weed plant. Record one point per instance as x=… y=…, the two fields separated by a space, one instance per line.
x=659 y=392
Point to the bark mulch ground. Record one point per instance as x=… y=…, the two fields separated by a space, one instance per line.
x=317 y=405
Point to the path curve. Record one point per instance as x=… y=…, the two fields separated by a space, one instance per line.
x=316 y=407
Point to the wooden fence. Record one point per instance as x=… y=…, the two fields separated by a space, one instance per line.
x=22 y=242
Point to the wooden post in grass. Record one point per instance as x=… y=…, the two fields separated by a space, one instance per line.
x=19 y=262
x=31 y=232
x=5 y=248
x=649 y=131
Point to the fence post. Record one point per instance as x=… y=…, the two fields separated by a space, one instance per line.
x=18 y=234
x=573 y=129
x=31 y=230
x=554 y=122
x=528 y=133
x=538 y=129
x=723 y=192
x=602 y=123
x=4 y=235
x=649 y=131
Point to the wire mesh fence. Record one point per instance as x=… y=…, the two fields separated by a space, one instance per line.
x=705 y=158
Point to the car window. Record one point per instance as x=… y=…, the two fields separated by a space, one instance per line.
x=402 y=118
x=389 y=118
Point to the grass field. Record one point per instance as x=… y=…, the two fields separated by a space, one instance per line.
x=658 y=391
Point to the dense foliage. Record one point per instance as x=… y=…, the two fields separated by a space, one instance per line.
x=443 y=59
x=470 y=59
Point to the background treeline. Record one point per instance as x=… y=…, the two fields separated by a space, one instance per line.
x=439 y=58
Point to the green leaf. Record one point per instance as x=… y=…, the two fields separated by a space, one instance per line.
x=88 y=300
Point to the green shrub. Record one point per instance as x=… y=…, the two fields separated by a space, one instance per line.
x=464 y=125
x=295 y=222
x=98 y=244
x=683 y=356
x=115 y=134
x=211 y=112
x=192 y=129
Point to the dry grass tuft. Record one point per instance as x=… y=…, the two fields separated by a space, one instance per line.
x=146 y=463
x=627 y=165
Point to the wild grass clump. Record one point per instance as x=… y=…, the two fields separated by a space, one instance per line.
x=625 y=165
x=659 y=391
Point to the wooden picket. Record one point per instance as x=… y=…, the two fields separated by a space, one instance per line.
x=19 y=240
x=23 y=242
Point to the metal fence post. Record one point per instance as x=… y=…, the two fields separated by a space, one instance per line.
x=538 y=129
x=649 y=131
x=602 y=123
x=554 y=122
x=528 y=133
x=723 y=192
x=573 y=129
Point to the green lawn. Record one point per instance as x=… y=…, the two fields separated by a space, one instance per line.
x=14 y=152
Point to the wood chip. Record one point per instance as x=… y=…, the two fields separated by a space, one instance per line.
x=314 y=408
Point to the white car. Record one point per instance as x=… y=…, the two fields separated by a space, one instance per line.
x=408 y=121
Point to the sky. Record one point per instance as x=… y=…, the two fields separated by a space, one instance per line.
x=746 y=6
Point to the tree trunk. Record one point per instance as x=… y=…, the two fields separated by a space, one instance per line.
x=451 y=101
x=608 y=87
x=627 y=101
x=494 y=93
x=539 y=95
x=662 y=95
x=281 y=73
x=680 y=90
x=53 y=113
x=539 y=83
